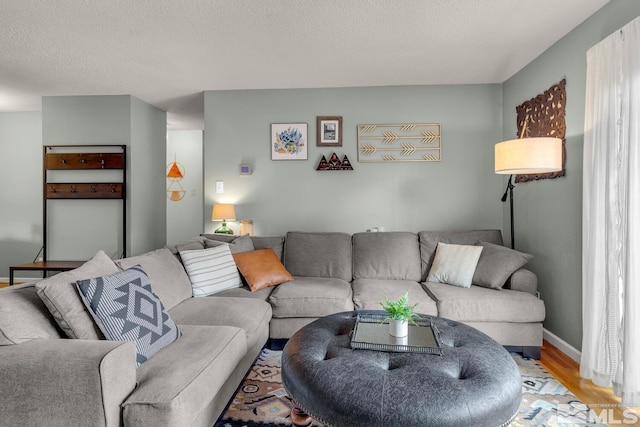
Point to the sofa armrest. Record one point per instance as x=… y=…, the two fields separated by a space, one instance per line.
x=66 y=382
x=523 y=280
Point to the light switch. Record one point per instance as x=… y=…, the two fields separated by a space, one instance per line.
x=219 y=186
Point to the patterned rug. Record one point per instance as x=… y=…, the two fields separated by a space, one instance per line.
x=261 y=401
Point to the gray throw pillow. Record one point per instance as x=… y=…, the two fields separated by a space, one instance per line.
x=60 y=296
x=188 y=245
x=237 y=245
x=125 y=308
x=170 y=280
x=496 y=264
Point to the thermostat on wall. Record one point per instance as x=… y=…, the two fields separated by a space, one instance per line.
x=245 y=169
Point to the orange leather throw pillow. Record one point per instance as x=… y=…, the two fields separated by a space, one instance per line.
x=261 y=269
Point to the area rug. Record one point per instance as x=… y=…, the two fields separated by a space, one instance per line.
x=261 y=401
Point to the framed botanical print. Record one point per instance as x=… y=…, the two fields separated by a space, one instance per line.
x=329 y=131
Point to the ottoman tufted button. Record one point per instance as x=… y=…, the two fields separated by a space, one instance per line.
x=475 y=381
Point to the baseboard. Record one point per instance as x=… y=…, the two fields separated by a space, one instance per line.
x=562 y=345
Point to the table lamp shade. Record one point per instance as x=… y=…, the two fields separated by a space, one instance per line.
x=223 y=212
x=528 y=156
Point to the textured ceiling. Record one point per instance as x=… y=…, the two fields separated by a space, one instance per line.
x=166 y=52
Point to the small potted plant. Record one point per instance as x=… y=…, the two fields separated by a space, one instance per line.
x=399 y=314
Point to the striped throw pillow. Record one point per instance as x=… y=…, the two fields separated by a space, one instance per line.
x=211 y=270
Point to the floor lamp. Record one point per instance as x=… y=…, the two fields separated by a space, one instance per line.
x=526 y=156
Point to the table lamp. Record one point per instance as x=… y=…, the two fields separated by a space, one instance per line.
x=223 y=212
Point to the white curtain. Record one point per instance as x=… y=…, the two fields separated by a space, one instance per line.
x=611 y=216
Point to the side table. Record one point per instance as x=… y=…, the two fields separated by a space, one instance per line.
x=44 y=266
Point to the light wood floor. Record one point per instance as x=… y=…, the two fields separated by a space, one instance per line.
x=567 y=371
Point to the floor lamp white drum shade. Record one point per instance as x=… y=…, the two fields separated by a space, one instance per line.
x=528 y=156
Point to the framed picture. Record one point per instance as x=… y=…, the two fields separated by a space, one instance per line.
x=289 y=141
x=329 y=131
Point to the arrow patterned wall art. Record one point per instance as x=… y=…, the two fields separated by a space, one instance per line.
x=409 y=142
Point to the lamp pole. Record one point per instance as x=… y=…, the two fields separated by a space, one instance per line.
x=509 y=190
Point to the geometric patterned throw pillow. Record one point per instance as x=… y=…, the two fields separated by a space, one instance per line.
x=126 y=309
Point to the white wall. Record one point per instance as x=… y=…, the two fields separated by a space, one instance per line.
x=185 y=217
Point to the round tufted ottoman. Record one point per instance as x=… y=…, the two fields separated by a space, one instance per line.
x=474 y=383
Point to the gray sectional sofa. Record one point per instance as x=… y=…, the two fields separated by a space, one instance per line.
x=46 y=378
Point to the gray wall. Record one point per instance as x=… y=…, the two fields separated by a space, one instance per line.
x=147 y=184
x=459 y=192
x=548 y=214
x=21 y=189
x=79 y=228
x=185 y=217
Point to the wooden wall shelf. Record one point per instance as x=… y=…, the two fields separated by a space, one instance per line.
x=82 y=190
x=80 y=161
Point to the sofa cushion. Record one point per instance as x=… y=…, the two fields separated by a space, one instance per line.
x=250 y=314
x=24 y=317
x=388 y=255
x=496 y=264
x=311 y=297
x=245 y=292
x=169 y=280
x=261 y=269
x=236 y=244
x=126 y=309
x=454 y=264
x=369 y=293
x=61 y=297
x=318 y=254
x=479 y=304
x=211 y=270
x=180 y=380
x=429 y=241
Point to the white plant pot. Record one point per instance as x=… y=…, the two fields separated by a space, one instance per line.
x=399 y=340
x=398 y=328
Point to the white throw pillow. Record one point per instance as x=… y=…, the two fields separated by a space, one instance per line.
x=454 y=264
x=211 y=270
